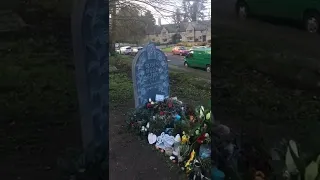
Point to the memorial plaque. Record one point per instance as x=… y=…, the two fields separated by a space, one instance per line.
x=150 y=75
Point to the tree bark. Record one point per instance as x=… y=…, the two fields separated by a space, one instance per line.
x=113 y=29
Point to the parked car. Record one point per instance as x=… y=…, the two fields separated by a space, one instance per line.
x=200 y=58
x=180 y=50
x=304 y=11
x=135 y=50
x=125 y=50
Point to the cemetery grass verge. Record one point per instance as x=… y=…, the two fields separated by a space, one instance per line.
x=185 y=87
x=167 y=49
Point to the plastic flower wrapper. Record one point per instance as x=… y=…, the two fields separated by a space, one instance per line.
x=205 y=151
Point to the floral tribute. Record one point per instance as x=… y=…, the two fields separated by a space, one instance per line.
x=180 y=131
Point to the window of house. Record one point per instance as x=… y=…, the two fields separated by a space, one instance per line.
x=156 y=35
x=164 y=40
x=200 y=37
x=153 y=39
x=190 y=38
x=189 y=31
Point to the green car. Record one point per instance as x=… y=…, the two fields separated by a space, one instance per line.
x=304 y=11
x=200 y=58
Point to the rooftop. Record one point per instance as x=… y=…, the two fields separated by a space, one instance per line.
x=171 y=28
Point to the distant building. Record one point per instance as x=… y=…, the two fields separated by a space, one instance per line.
x=199 y=31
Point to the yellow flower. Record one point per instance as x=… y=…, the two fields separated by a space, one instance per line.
x=190 y=159
x=208 y=116
x=184 y=139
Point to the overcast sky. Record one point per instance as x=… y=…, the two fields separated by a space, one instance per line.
x=164 y=15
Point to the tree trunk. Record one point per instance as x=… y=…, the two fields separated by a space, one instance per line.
x=113 y=29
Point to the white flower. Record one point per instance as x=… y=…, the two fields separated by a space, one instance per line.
x=291 y=165
x=201 y=111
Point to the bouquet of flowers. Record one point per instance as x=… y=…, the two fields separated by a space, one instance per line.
x=181 y=131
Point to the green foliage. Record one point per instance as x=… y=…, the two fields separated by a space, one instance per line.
x=131 y=24
x=148 y=19
x=193 y=11
x=161 y=116
x=120 y=89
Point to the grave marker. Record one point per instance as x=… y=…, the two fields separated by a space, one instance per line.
x=150 y=75
x=90 y=23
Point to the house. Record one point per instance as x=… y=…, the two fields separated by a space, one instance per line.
x=199 y=31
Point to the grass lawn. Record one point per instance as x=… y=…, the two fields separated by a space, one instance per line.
x=167 y=49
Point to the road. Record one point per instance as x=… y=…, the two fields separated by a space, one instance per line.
x=175 y=60
x=175 y=63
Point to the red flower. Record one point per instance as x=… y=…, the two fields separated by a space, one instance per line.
x=149 y=105
x=170 y=105
x=161 y=113
x=201 y=138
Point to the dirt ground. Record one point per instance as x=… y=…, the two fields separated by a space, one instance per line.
x=131 y=158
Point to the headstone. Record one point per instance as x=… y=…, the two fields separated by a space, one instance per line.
x=150 y=75
x=90 y=23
